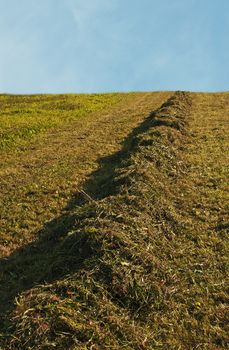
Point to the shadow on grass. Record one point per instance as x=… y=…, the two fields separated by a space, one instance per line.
x=52 y=256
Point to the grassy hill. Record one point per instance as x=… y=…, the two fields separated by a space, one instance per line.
x=114 y=221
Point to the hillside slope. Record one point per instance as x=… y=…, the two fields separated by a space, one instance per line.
x=41 y=172
x=136 y=258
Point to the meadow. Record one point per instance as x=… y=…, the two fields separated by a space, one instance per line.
x=23 y=117
x=114 y=221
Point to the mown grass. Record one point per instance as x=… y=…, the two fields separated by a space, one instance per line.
x=39 y=178
x=139 y=260
x=23 y=117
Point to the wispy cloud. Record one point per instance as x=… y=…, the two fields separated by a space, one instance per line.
x=86 y=12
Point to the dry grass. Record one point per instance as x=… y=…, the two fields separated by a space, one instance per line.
x=138 y=259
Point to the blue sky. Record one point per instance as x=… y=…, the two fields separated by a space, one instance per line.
x=56 y=46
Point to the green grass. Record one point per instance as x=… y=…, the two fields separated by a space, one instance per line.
x=137 y=260
x=23 y=117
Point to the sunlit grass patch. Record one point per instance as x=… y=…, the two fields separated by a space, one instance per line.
x=23 y=117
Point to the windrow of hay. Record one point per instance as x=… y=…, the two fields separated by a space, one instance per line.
x=121 y=278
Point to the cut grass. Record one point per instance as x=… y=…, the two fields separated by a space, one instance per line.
x=39 y=179
x=140 y=262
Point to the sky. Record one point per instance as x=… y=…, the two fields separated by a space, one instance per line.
x=75 y=46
